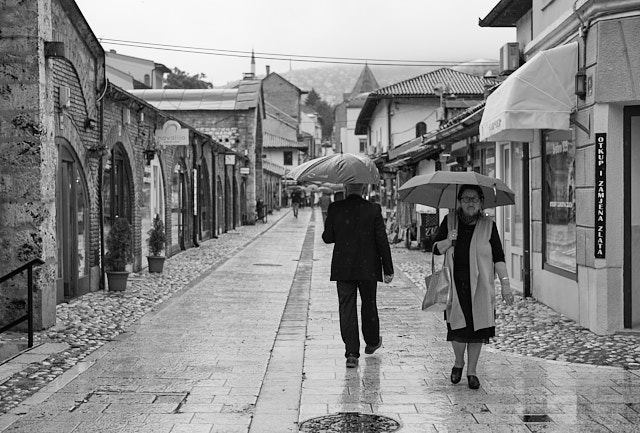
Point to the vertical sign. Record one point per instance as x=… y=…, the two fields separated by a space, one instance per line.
x=195 y=181
x=601 y=198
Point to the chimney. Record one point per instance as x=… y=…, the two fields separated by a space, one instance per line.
x=268 y=69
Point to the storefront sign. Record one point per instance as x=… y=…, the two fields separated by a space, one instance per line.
x=601 y=198
x=172 y=134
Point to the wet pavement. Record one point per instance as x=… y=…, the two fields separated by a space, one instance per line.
x=245 y=338
x=532 y=329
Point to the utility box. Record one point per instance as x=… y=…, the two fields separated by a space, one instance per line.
x=509 y=58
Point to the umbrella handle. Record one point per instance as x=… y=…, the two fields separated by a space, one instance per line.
x=454 y=224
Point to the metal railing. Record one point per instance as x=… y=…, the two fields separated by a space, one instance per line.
x=29 y=316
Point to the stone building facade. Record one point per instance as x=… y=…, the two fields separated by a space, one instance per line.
x=235 y=117
x=78 y=151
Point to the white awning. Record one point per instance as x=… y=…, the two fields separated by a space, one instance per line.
x=538 y=95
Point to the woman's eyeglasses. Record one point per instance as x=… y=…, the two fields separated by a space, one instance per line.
x=470 y=199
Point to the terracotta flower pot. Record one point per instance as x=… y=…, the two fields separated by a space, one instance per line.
x=156 y=263
x=117 y=281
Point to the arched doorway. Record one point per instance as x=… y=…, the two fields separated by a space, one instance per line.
x=220 y=207
x=234 y=192
x=243 y=201
x=153 y=198
x=72 y=225
x=205 y=210
x=228 y=202
x=178 y=207
x=117 y=188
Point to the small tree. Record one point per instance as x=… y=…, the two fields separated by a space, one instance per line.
x=119 y=246
x=178 y=79
x=157 y=237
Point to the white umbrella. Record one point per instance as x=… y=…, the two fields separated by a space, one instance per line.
x=337 y=168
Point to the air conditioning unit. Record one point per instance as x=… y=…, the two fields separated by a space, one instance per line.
x=440 y=114
x=509 y=58
x=126 y=116
x=65 y=97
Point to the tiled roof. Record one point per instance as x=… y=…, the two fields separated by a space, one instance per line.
x=423 y=85
x=275 y=142
x=189 y=99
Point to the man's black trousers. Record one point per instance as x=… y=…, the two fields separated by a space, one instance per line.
x=347 y=296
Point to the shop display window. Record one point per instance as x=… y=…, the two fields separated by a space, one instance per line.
x=559 y=204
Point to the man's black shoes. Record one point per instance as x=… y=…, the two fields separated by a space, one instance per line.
x=352 y=361
x=370 y=349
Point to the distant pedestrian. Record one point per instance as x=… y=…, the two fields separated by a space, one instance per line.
x=296 y=198
x=361 y=255
x=324 y=202
x=478 y=256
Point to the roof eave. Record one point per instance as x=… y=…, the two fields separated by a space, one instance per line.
x=506 y=13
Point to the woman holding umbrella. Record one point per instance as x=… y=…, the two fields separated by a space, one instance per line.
x=477 y=256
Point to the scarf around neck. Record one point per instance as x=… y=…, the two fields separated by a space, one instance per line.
x=468 y=219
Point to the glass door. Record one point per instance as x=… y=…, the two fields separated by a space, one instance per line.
x=72 y=230
x=510 y=223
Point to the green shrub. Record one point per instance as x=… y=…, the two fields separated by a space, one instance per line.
x=157 y=237
x=119 y=246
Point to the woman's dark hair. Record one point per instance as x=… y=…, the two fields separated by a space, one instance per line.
x=476 y=188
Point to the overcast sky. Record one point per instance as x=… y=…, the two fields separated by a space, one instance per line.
x=360 y=30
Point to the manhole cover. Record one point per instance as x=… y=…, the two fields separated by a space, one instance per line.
x=352 y=422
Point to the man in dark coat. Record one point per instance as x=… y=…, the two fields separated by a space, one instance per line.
x=361 y=255
x=296 y=198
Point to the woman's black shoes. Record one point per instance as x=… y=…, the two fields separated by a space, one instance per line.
x=474 y=383
x=456 y=374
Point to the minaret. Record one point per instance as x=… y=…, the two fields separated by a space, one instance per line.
x=253 y=64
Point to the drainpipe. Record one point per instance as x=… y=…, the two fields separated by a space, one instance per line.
x=584 y=29
x=526 y=217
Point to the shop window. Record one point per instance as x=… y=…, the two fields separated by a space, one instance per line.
x=363 y=145
x=421 y=129
x=517 y=219
x=559 y=204
x=288 y=157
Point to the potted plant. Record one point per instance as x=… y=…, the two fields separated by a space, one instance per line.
x=156 y=242
x=119 y=254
